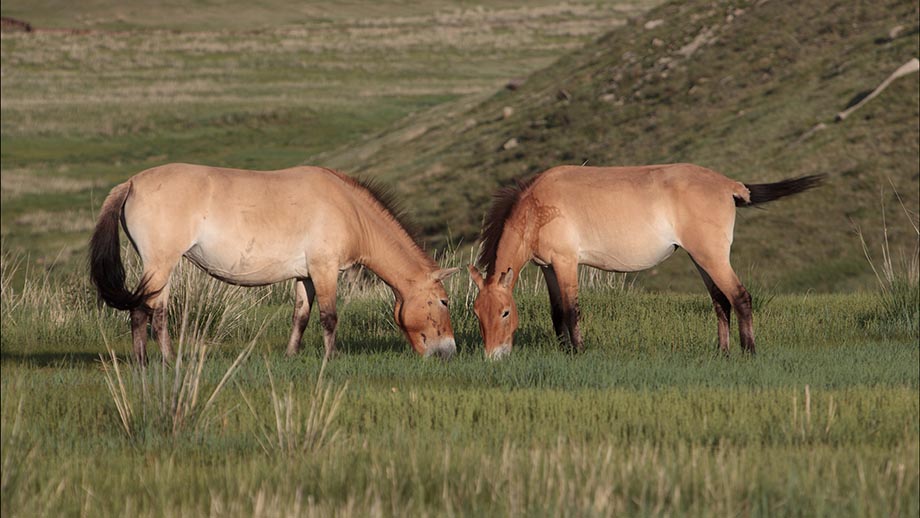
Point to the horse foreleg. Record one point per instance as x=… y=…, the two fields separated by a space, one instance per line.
x=324 y=282
x=566 y=273
x=555 y=304
x=304 y=293
x=723 y=309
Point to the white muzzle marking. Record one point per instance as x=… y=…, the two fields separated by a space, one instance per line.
x=499 y=352
x=445 y=349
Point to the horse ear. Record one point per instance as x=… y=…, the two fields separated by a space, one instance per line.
x=506 y=278
x=444 y=273
x=476 y=276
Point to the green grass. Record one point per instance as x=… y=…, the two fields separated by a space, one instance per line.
x=650 y=420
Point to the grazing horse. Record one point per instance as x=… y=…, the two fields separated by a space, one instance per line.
x=622 y=219
x=254 y=228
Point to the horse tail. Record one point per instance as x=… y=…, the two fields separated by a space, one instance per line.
x=749 y=195
x=106 y=270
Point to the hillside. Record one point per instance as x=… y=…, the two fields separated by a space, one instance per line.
x=734 y=86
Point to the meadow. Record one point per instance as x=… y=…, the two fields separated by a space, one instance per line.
x=651 y=420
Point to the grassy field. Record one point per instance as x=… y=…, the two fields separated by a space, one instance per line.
x=651 y=420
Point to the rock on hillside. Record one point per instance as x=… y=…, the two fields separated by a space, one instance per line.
x=734 y=86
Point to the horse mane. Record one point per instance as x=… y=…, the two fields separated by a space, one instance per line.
x=389 y=203
x=504 y=201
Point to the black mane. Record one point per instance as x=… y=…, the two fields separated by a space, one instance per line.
x=388 y=201
x=503 y=203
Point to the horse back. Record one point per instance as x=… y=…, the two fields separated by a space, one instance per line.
x=627 y=218
x=248 y=227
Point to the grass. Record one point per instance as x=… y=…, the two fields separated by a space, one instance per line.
x=298 y=431
x=898 y=277
x=650 y=421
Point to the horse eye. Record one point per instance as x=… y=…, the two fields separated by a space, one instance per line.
x=444 y=302
x=506 y=313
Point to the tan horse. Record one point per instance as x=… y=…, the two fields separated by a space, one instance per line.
x=623 y=219
x=254 y=228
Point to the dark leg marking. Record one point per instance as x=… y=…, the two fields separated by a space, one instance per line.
x=572 y=316
x=161 y=332
x=744 y=309
x=139 y=318
x=329 y=320
x=723 y=309
x=555 y=304
x=303 y=302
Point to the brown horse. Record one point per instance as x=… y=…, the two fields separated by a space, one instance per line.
x=254 y=228
x=623 y=219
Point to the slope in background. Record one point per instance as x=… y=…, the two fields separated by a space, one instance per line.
x=734 y=86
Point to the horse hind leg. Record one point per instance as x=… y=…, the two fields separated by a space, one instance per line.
x=154 y=310
x=139 y=319
x=160 y=325
x=304 y=293
x=726 y=281
x=158 y=305
x=723 y=309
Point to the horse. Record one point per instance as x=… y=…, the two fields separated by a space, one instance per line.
x=622 y=219
x=254 y=228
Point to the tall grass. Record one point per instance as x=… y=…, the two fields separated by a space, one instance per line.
x=297 y=430
x=211 y=306
x=647 y=422
x=169 y=398
x=166 y=399
x=898 y=276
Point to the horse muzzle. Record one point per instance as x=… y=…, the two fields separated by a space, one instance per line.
x=445 y=349
x=499 y=352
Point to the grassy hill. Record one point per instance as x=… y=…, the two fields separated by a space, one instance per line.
x=734 y=86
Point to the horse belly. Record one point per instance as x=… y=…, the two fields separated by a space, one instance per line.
x=251 y=263
x=627 y=253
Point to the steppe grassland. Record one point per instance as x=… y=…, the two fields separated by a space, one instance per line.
x=650 y=421
x=824 y=421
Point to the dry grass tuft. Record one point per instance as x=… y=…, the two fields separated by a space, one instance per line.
x=898 y=277
x=299 y=431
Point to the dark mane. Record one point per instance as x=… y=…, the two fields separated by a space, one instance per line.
x=388 y=201
x=503 y=203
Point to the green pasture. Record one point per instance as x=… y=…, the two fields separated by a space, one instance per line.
x=651 y=420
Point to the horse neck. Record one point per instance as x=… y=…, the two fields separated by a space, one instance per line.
x=514 y=248
x=388 y=251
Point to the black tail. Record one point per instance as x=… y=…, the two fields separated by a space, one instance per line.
x=105 y=267
x=765 y=192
